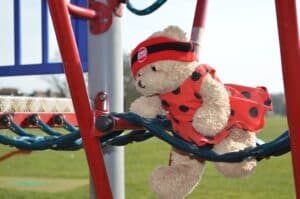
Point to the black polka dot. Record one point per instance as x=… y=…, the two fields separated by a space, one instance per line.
x=232 y=112
x=176 y=91
x=197 y=95
x=264 y=88
x=229 y=128
x=246 y=94
x=183 y=108
x=268 y=102
x=253 y=112
x=209 y=137
x=165 y=103
x=175 y=120
x=196 y=76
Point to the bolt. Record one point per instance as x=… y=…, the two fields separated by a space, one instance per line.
x=5 y=120
x=102 y=96
x=33 y=119
x=105 y=20
x=58 y=119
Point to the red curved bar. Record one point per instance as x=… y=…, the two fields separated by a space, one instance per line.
x=121 y=124
x=81 y=12
x=290 y=57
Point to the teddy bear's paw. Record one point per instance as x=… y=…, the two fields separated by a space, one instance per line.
x=174 y=182
x=148 y=107
x=209 y=120
x=214 y=93
x=237 y=170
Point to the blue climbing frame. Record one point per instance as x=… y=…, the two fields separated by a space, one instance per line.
x=45 y=67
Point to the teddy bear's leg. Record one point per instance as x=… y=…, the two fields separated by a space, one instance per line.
x=236 y=141
x=179 y=178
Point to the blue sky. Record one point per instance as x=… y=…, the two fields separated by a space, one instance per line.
x=240 y=39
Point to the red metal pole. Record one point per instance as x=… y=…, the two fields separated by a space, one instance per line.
x=82 y=12
x=198 y=24
x=84 y=113
x=290 y=57
x=200 y=14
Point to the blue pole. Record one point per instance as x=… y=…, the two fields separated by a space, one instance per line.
x=17 y=32
x=45 y=38
x=82 y=39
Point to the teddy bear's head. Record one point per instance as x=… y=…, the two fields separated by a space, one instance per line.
x=163 y=61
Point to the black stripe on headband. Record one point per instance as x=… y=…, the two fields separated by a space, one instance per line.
x=177 y=46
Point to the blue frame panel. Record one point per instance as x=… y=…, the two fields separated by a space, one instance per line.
x=35 y=69
x=80 y=30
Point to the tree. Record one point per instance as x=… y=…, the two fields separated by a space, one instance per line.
x=58 y=84
x=130 y=92
x=278 y=102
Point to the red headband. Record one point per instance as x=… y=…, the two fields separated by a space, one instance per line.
x=160 y=48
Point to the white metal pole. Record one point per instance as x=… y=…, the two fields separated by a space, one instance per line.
x=106 y=74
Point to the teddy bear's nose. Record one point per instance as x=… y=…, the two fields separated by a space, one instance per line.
x=140 y=84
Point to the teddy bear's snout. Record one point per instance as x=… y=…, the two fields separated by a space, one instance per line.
x=140 y=84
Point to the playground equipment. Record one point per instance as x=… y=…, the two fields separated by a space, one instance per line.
x=98 y=125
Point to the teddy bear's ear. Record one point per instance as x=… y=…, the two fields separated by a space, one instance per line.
x=173 y=32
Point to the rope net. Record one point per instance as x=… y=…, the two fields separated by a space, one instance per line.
x=18 y=113
x=159 y=127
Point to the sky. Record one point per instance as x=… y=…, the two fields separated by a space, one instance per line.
x=240 y=39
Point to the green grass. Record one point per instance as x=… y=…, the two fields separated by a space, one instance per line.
x=272 y=179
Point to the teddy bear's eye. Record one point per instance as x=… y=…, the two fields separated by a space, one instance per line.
x=153 y=68
x=139 y=74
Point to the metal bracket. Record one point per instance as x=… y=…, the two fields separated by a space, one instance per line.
x=104 y=15
x=101 y=102
x=101 y=108
x=104 y=121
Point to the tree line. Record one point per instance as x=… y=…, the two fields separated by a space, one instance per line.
x=58 y=85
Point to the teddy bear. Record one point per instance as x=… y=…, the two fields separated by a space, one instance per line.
x=203 y=111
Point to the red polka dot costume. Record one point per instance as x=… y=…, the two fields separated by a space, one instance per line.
x=248 y=105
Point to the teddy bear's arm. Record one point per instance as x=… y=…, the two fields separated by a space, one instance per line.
x=148 y=107
x=213 y=114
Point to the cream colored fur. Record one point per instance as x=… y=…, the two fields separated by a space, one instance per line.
x=184 y=172
x=179 y=178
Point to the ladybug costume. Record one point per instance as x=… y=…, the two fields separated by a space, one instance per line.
x=248 y=105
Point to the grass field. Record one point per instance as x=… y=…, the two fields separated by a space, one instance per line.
x=272 y=179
